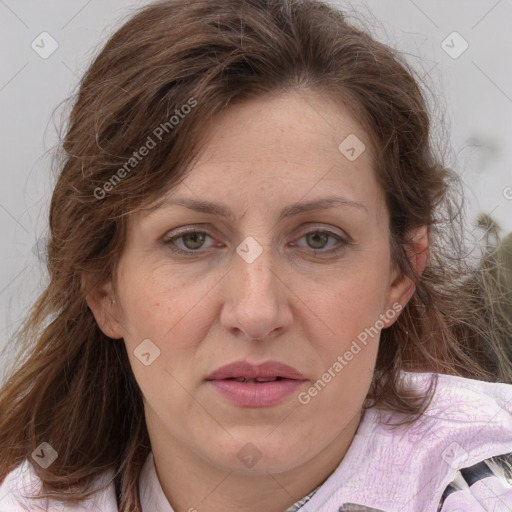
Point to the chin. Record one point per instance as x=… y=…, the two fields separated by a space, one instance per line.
x=258 y=455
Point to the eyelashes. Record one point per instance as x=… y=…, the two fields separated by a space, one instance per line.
x=198 y=237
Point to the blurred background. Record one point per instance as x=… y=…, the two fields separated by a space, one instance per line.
x=461 y=51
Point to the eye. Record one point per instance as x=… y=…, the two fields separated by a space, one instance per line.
x=318 y=239
x=192 y=239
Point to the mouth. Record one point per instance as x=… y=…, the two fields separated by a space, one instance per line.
x=264 y=372
x=257 y=380
x=248 y=385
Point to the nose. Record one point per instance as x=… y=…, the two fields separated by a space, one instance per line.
x=256 y=298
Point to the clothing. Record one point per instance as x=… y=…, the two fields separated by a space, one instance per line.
x=433 y=465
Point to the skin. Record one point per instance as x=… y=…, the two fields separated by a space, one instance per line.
x=289 y=305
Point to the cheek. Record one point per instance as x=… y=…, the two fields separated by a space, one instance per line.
x=171 y=315
x=348 y=303
x=346 y=350
x=154 y=299
x=344 y=333
x=175 y=313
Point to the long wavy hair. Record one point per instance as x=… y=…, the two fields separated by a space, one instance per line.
x=70 y=384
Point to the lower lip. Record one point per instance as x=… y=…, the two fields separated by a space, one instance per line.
x=256 y=395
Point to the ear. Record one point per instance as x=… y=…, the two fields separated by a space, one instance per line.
x=102 y=303
x=402 y=287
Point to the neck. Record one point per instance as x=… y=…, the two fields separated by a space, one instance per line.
x=193 y=484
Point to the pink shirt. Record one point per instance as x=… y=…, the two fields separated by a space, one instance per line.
x=405 y=470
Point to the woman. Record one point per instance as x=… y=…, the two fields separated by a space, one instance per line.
x=252 y=304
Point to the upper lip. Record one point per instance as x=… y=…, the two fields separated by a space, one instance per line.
x=245 y=369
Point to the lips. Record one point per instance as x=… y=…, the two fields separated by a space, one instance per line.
x=271 y=370
x=263 y=385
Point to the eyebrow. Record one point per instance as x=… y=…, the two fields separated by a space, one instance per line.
x=291 y=210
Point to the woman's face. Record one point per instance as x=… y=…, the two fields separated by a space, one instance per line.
x=253 y=274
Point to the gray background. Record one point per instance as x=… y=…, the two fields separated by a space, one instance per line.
x=472 y=104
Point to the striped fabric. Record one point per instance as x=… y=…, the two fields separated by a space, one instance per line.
x=484 y=482
x=299 y=504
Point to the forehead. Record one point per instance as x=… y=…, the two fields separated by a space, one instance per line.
x=280 y=150
x=301 y=126
x=299 y=137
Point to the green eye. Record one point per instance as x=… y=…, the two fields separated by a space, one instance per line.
x=193 y=240
x=318 y=239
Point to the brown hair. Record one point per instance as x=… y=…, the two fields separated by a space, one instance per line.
x=73 y=386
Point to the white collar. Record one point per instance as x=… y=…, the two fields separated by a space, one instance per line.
x=152 y=497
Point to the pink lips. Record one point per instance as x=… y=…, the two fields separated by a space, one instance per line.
x=263 y=385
